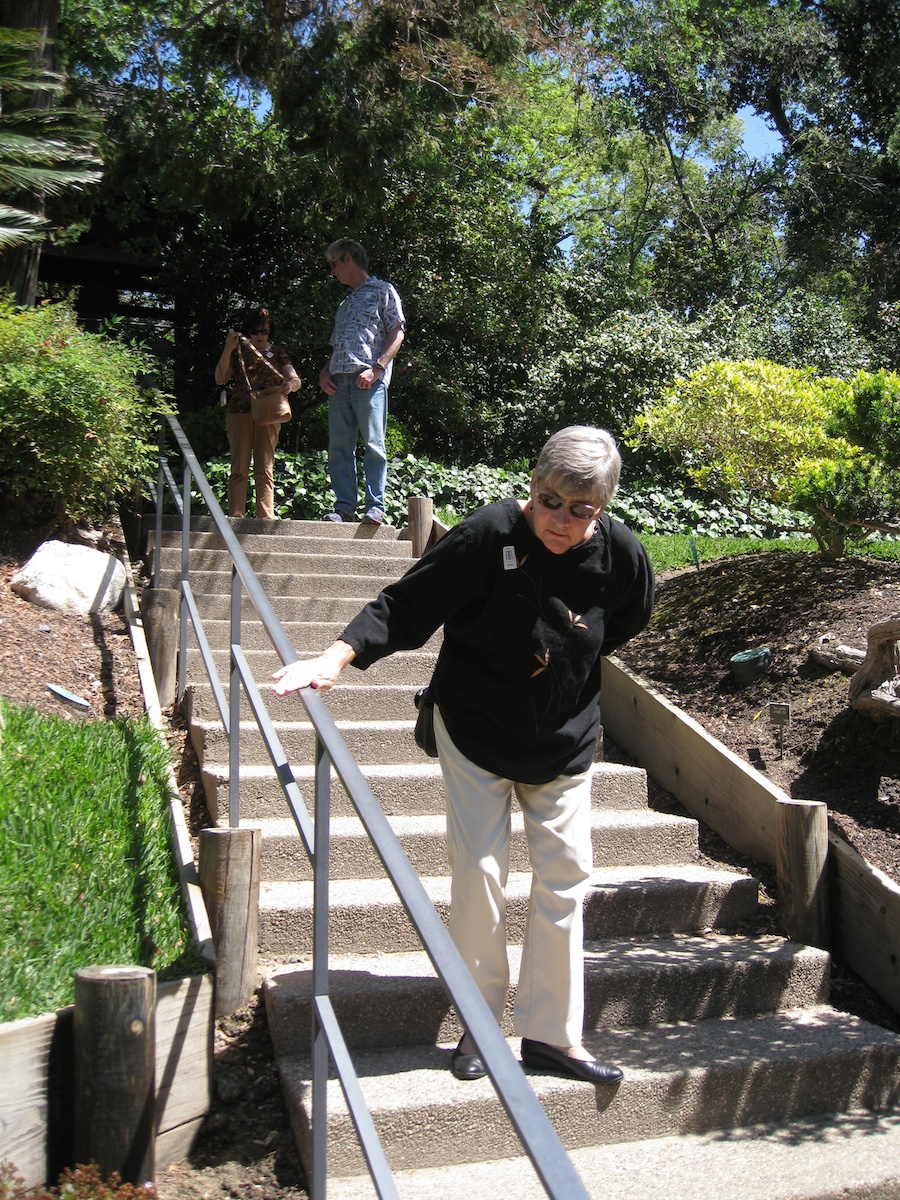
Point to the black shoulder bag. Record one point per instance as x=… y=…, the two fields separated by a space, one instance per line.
x=424 y=732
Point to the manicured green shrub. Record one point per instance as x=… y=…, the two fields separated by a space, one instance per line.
x=755 y=432
x=868 y=414
x=78 y=429
x=745 y=426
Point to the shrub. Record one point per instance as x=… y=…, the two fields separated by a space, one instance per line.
x=766 y=433
x=78 y=429
x=303 y=493
x=745 y=426
x=868 y=414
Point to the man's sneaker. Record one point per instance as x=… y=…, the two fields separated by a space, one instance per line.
x=337 y=516
x=373 y=517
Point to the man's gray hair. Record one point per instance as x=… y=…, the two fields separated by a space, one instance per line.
x=582 y=462
x=347 y=246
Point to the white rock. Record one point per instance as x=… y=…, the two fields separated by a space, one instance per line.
x=71 y=579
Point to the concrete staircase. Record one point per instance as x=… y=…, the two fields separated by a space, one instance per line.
x=732 y=1055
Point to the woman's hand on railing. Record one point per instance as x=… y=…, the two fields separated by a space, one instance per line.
x=320 y=673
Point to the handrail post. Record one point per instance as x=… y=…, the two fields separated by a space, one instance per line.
x=185 y=566
x=320 y=972
x=160 y=492
x=234 y=707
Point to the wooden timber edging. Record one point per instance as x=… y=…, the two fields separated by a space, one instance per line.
x=37 y=1054
x=742 y=806
x=37 y=1067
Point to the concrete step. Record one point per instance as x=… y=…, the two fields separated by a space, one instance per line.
x=369 y=741
x=396 y=999
x=619 y=837
x=347 y=702
x=288 y=561
x=366 y=916
x=847 y=1157
x=680 y=1079
x=404 y=667
x=372 y=742
x=329 y=583
x=308 y=637
x=313 y=538
x=291 y=610
x=250 y=527
x=328 y=618
x=405 y=790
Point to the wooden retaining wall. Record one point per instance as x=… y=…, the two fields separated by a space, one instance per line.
x=741 y=805
x=36 y=1066
x=36 y=1054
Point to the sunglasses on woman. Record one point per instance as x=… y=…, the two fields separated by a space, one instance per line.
x=579 y=510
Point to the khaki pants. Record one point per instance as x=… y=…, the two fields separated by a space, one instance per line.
x=245 y=437
x=550 y=995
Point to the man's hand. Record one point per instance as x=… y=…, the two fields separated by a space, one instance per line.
x=368 y=378
x=326 y=383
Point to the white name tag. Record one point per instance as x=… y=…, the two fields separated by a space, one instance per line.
x=509 y=558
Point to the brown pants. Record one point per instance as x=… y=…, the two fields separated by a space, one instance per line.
x=245 y=437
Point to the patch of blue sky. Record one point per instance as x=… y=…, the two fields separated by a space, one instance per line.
x=759 y=140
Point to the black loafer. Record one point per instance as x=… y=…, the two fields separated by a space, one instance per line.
x=466 y=1066
x=545 y=1058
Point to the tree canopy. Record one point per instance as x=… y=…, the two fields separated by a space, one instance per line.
x=561 y=193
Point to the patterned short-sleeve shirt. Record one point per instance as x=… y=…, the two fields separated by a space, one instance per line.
x=364 y=319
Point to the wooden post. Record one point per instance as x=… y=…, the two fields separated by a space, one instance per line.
x=801 y=862
x=421 y=515
x=114 y=1103
x=229 y=879
x=159 y=612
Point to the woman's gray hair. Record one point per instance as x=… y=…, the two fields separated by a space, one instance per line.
x=580 y=461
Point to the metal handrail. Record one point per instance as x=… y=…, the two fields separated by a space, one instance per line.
x=530 y=1121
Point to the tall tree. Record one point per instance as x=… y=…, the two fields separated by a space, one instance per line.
x=42 y=152
x=45 y=148
x=822 y=73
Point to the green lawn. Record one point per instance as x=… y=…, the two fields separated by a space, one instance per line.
x=87 y=873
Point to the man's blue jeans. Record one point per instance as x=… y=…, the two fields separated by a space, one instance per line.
x=353 y=409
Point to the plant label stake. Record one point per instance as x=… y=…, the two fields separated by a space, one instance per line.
x=780 y=715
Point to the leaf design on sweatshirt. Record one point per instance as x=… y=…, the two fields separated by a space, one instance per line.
x=545 y=663
x=575 y=620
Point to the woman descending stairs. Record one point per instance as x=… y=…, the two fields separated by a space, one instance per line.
x=739 y=1078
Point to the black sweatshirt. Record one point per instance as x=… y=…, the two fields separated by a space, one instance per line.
x=518 y=676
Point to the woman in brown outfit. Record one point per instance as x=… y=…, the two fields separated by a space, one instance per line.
x=251 y=367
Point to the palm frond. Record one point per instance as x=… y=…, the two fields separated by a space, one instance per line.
x=44 y=150
x=18 y=227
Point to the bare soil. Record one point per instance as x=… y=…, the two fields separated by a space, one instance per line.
x=790 y=603
x=787 y=602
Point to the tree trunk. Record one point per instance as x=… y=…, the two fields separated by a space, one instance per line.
x=19 y=264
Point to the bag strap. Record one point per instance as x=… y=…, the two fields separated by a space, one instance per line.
x=245 y=341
